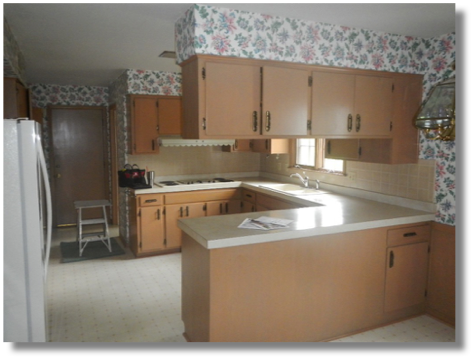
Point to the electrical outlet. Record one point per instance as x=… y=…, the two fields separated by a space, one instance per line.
x=351 y=176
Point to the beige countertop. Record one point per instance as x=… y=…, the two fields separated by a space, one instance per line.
x=325 y=213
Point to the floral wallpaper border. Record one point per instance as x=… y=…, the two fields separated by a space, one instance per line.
x=205 y=29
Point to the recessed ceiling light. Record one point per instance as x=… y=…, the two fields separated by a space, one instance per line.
x=168 y=54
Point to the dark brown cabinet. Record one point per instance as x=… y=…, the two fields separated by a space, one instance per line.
x=16 y=103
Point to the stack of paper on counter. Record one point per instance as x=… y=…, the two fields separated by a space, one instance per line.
x=265 y=223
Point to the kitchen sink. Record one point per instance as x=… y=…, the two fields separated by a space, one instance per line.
x=295 y=190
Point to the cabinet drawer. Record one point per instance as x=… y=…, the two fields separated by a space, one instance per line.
x=150 y=200
x=249 y=196
x=199 y=196
x=408 y=235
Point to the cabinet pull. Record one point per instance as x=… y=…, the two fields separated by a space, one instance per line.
x=186 y=211
x=150 y=200
x=392 y=259
x=266 y=145
x=407 y=235
x=153 y=145
x=226 y=208
x=357 y=126
x=181 y=211
x=349 y=122
x=248 y=195
x=221 y=209
x=204 y=124
x=268 y=121
x=158 y=214
x=255 y=121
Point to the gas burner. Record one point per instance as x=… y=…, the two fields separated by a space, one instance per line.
x=169 y=183
x=220 y=179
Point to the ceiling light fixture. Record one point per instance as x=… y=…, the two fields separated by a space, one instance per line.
x=168 y=54
x=437 y=113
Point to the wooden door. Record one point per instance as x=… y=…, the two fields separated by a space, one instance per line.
x=144 y=124
x=374 y=105
x=79 y=165
x=232 y=99
x=332 y=103
x=285 y=101
x=152 y=229
x=170 y=115
x=406 y=277
x=173 y=234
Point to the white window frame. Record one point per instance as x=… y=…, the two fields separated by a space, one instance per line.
x=319 y=158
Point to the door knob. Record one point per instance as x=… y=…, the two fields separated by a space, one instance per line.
x=58 y=175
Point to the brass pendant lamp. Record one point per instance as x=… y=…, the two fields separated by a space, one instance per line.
x=437 y=115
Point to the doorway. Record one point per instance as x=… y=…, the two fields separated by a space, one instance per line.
x=79 y=163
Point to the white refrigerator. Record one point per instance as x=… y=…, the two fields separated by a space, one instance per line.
x=27 y=219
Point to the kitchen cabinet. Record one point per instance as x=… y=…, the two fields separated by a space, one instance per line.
x=441 y=300
x=248 y=201
x=320 y=287
x=190 y=204
x=267 y=146
x=16 y=102
x=402 y=145
x=222 y=98
x=348 y=105
x=151 y=117
x=223 y=207
x=147 y=224
x=407 y=267
x=173 y=234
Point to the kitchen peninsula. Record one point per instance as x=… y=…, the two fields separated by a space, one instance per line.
x=345 y=264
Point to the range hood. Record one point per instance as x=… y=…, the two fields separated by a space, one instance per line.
x=180 y=142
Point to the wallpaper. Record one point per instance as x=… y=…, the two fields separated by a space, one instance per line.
x=224 y=32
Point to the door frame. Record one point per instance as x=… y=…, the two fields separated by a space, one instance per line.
x=50 y=109
x=113 y=164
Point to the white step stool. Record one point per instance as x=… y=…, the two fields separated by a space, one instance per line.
x=84 y=239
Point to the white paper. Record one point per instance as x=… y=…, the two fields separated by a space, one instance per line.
x=265 y=223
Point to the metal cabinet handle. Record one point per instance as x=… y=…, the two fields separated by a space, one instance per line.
x=407 y=235
x=221 y=209
x=186 y=211
x=158 y=214
x=181 y=211
x=150 y=200
x=153 y=145
x=392 y=259
x=268 y=121
x=226 y=208
x=349 y=122
x=357 y=126
x=255 y=121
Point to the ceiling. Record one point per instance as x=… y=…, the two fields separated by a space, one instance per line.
x=92 y=44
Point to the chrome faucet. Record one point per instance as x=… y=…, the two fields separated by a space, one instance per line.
x=304 y=180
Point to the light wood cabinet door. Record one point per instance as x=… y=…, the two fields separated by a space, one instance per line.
x=224 y=207
x=170 y=115
x=373 y=105
x=270 y=146
x=285 y=101
x=347 y=105
x=406 y=276
x=144 y=124
x=151 y=223
x=247 y=206
x=173 y=234
x=232 y=99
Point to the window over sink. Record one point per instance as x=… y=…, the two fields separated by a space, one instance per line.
x=310 y=153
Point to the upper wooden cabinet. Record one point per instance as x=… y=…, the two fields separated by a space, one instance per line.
x=400 y=145
x=151 y=117
x=348 y=105
x=222 y=98
x=16 y=103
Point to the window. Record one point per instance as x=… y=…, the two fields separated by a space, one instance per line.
x=310 y=153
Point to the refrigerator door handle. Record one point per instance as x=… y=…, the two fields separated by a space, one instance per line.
x=49 y=210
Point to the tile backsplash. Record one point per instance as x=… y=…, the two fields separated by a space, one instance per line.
x=412 y=181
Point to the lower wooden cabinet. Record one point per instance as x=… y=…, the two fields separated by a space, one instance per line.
x=407 y=267
x=173 y=234
x=223 y=207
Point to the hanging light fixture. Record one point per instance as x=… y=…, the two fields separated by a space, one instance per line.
x=437 y=115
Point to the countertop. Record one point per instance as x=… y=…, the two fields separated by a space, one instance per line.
x=322 y=214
